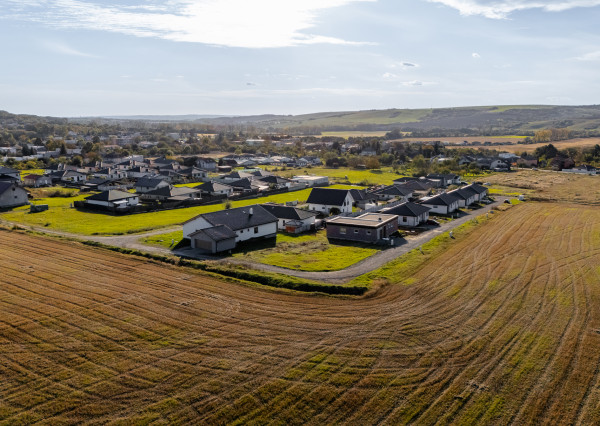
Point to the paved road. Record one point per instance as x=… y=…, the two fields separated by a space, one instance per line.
x=334 y=277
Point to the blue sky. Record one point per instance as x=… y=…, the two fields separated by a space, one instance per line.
x=125 y=57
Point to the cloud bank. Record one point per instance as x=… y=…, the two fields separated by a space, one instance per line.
x=233 y=23
x=495 y=9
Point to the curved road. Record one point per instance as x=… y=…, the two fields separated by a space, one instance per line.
x=334 y=277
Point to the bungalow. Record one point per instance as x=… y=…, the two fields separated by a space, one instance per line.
x=363 y=199
x=193 y=174
x=465 y=197
x=215 y=188
x=11 y=174
x=291 y=219
x=445 y=178
x=12 y=195
x=37 y=181
x=149 y=184
x=73 y=176
x=480 y=191
x=138 y=172
x=246 y=185
x=207 y=164
x=429 y=183
x=113 y=199
x=275 y=181
x=222 y=230
x=366 y=228
x=326 y=200
x=442 y=203
x=392 y=192
x=233 y=176
x=409 y=214
x=171 y=193
x=110 y=174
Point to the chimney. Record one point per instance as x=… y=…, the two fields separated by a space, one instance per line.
x=251 y=212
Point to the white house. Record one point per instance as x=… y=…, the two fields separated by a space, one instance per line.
x=465 y=197
x=409 y=214
x=311 y=181
x=291 y=219
x=323 y=200
x=442 y=203
x=207 y=164
x=113 y=199
x=12 y=195
x=240 y=224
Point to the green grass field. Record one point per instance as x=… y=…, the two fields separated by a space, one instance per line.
x=383 y=176
x=62 y=217
x=304 y=252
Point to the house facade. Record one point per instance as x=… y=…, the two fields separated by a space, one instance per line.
x=443 y=203
x=409 y=214
x=366 y=228
x=12 y=195
x=291 y=219
x=324 y=200
x=113 y=199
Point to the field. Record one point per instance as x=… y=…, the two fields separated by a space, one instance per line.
x=504 y=327
x=383 y=176
x=571 y=143
x=61 y=217
x=353 y=134
x=549 y=186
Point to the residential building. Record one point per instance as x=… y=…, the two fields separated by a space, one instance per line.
x=366 y=228
x=291 y=219
x=326 y=200
x=12 y=195
x=442 y=203
x=113 y=199
x=409 y=214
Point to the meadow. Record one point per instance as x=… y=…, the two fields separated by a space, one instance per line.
x=501 y=327
x=346 y=175
x=62 y=217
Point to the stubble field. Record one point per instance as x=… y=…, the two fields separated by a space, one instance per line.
x=502 y=328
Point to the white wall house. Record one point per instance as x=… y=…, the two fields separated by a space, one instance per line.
x=324 y=199
x=443 y=203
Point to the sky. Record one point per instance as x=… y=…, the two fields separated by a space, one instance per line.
x=73 y=58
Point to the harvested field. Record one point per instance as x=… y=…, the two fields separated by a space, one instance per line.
x=503 y=328
x=550 y=186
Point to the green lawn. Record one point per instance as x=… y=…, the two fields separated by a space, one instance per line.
x=383 y=176
x=62 y=217
x=304 y=252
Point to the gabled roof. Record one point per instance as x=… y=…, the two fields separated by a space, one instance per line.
x=278 y=180
x=462 y=193
x=35 y=177
x=327 y=196
x=444 y=199
x=415 y=185
x=213 y=187
x=477 y=188
x=237 y=175
x=242 y=183
x=216 y=233
x=239 y=218
x=5 y=186
x=171 y=191
x=287 y=212
x=261 y=173
x=362 y=195
x=149 y=182
x=395 y=190
x=7 y=171
x=112 y=195
x=407 y=209
x=447 y=176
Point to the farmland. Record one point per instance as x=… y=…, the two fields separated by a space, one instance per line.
x=502 y=327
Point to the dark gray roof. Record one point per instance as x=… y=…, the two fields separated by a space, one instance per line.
x=149 y=182
x=327 y=196
x=242 y=183
x=4 y=186
x=112 y=195
x=7 y=171
x=216 y=233
x=171 y=191
x=239 y=218
x=477 y=188
x=212 y=187
x=395 y=190
x=444 y=199
x=462 y=193
x=237 y=175
x=288 y=212
x=361 y=194
x=273 y=179
x=407 y=209
x=415 y=185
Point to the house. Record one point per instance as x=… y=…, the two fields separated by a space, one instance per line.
x=311 y=181
x=193 y=174
x=215 y=188
x=409 y=214
x=138 y=172
x=480 y=191
x=366 y=228
x=276 y=182
x=9 y=174
x=363 y=199
x=207 y=164
x=73 y=176
x=442 y=203
x=12 y=195
x=246 y=185
x=113 y=199
x=149 y=184
x=419 y=187
x=291 y=219
x=326 y=200
x=110 y=174
x=171 y=193
x=445 y=178
x=465 y=197
x=233 y=176
x=392 y=192
x=222 y=230
x=37 y=181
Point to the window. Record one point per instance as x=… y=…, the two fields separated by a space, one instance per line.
x=256 y=229
x=342 y=230
x=356 y=231
x=368 y=232
x=241 y=231
x=404 y=219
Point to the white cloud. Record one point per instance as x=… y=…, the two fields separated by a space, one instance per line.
x=476 y=55
x=499 y=9
x=235 y=23
x=417 y=83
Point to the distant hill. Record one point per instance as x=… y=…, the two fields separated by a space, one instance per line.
x=509 y=118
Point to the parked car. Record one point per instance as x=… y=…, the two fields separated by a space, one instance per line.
x=432 y=222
